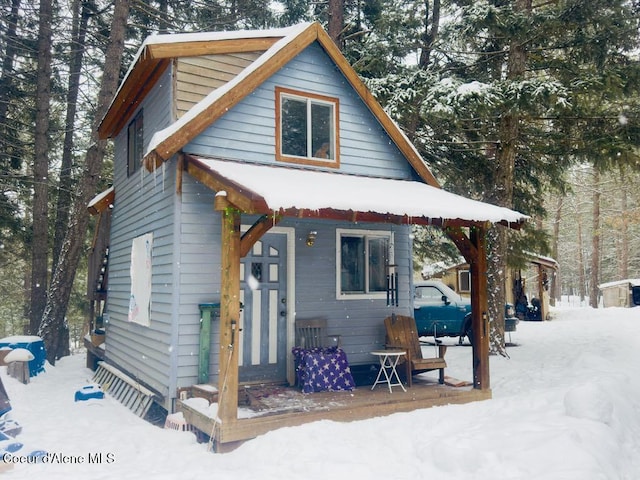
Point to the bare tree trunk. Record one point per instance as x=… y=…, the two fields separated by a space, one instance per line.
x=6 y=78
x=163 y=8
x=624 y=234
x=40 y=208
x=555 y=284
x=582 y=282
x=502 y=193
x=62 y=281
x=65 y=185
x=336 y=22
x=431 y=28
x=496 y=287
x=595 y=246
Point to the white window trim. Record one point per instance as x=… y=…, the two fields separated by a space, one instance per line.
x=460 y=273
x=361 y=233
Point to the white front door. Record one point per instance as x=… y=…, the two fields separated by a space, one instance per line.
x=263 y=288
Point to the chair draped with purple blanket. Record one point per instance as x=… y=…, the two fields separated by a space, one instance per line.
x=322 y=369
x=321 y=365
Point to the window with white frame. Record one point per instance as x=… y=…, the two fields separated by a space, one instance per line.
x=464 y=280
x=306 y=128
x=363 y=258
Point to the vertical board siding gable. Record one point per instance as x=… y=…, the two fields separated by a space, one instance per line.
x=196 y=77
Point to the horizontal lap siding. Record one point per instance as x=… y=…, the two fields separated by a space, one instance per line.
x=199 y=277
x=247 y=132
x=359 y=322
x=144 y=203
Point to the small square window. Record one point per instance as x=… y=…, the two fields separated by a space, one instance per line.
x=306 y=128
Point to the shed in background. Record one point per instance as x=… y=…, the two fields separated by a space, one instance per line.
x=621 y=293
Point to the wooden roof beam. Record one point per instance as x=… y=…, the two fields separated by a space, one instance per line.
x=256 y=231
x=208 y=47
x=462 y=242
x=242 y=198
x=102 y=201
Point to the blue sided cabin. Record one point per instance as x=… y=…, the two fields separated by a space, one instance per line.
x=257 y=183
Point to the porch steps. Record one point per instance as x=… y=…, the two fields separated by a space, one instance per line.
x=123 y=388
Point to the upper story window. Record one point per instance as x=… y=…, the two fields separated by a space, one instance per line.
x=135 y=141
x=307 y=128
x=363 y=260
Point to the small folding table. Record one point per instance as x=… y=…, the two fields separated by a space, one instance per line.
x=388 y=361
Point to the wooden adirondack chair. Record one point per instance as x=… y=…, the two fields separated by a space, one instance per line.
x=402 y=333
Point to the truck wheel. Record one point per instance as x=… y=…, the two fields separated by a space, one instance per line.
x=467 y=332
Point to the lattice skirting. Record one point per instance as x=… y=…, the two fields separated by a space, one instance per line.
x=123 y=388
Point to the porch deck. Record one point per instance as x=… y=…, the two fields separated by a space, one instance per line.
x=265 y=408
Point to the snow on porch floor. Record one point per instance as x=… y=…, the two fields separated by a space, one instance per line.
x=268 y=399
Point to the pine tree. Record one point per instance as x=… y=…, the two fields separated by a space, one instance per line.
x=58 y=295
x=512 y=95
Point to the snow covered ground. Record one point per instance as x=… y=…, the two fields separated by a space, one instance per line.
x=566 y=405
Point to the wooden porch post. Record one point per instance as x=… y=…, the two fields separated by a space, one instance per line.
x=479 y=308
x=229 y=312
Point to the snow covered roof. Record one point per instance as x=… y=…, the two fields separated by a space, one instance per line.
x=431 y=269
x=298 y=191
x=542 y=260
x=632 y=282
x=101 y=201
x=218 y=36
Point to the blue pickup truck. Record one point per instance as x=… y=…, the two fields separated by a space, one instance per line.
x=441 y=312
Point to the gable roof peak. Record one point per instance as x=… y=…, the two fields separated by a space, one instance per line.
x=279 y=47
x=173 y=38
x=158 y=50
